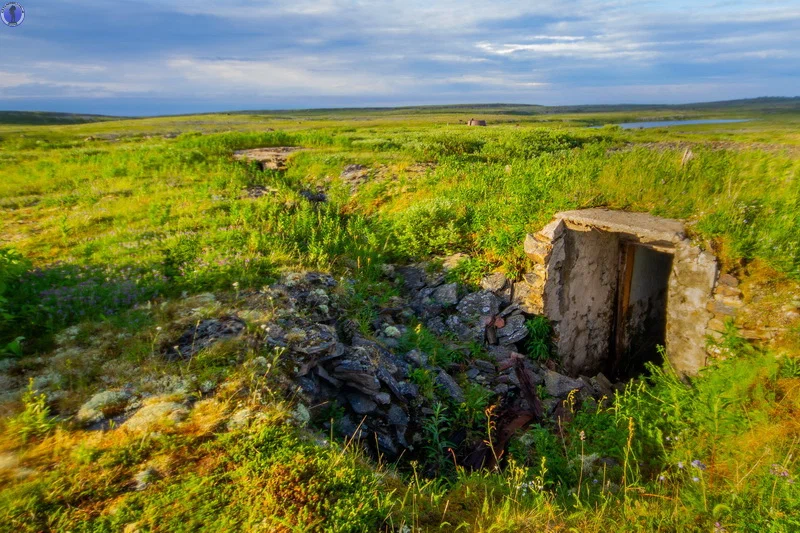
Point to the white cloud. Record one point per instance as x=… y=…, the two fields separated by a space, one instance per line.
x=13 y=79
x=65 y=66
x=494 y=81
x=573 y=49
x=304 y=75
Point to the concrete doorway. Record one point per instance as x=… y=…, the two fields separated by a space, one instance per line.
x=641 y=319
x=616 y=285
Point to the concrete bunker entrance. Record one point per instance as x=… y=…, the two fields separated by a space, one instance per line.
x=616 y=286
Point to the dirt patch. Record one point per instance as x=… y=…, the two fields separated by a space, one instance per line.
x=274 y=158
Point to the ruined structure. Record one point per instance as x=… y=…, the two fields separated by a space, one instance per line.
x=616 y=285
x=475 y=122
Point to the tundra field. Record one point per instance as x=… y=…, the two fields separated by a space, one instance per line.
x=161 y=301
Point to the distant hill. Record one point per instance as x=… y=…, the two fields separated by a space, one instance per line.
x=766 y=104
x=32 y=118
x=761 y=104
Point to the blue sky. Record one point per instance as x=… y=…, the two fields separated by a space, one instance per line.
x=180 y=56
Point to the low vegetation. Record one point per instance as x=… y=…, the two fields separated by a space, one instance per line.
x=115 y=232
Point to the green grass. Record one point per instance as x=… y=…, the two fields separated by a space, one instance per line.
x=112 y=225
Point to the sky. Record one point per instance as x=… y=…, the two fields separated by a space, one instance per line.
x=145 y=57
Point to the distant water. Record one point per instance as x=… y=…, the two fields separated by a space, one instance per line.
x=666 y=123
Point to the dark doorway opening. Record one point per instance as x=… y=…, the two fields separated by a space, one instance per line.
x=641 y=319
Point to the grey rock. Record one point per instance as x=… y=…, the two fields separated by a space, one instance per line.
x=494 y=282
x=479 y=304
x=397 y=416
x=559 y=386
x=357 y=374
x=464 y=330
x=486 y=367
x=103 y=405
x=602 y=385
x=413 y=277
x=307 y=385
x=409 y=391
x=145 y=478
x=436 y=325
x=350 y=429
x=446 y=294
x=314 y=196
x=473 y=373
x=156 y=414
x=450 y=387
x=417 y=358
x=513 y=331
x=382 y=398
x=501 y=389
x=361 y=404
x=386 y=444
x=387 y=379
x=549 y=405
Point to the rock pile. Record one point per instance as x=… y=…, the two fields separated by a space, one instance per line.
x=337 y=366
x=364 y=378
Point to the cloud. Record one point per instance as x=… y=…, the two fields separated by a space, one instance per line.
x=574 y=49
x=308 y=75
x=13 y=79
x=242 y=53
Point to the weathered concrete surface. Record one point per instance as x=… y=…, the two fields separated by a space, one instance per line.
x=585 y=300
x=575 y=281
x=694 y=273
x=641 y=227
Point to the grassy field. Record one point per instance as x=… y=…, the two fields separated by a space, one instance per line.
x=111 y=230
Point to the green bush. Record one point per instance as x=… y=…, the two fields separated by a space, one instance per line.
x=540 y=338
x=12 y=267
x=436 y=226
x=34 y=420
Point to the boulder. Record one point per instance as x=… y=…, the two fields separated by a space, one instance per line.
x=494 y=282
x=359 y=374
x=103 y=405
x=397 y=416
x=559 y=386
x=477 y=305
x=446 y=294
x=450 y=387
x=155 y=414
x=361 y=404
x=513 y=331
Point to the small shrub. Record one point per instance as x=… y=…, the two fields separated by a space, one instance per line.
x=539 y=341
x=432 y=227
x=34 y=421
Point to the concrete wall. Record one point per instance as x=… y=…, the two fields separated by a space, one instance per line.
x=691 y=286
x=586 y=299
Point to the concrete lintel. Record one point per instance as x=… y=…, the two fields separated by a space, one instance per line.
x=641 y=227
